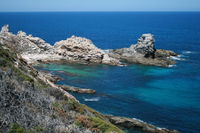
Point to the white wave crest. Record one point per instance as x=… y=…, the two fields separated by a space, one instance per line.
x=187 y=52
x=96 y=99
x=138 y=120
x=171 y=66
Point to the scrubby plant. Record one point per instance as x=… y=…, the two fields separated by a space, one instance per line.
x=96 y=124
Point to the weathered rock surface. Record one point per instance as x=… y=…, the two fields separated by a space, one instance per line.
x=138 y=125
x=82 y=49
x=36 y=40
x=145 y=45
x=144 y=52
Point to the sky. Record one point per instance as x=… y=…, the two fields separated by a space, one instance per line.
x=98 y=5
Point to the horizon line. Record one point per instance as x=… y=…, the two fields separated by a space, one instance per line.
x=89 y=11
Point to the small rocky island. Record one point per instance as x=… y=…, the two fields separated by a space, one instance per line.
x=30 y=101
x=82 y=50
x=144 y=52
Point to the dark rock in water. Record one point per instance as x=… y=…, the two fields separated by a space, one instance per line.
x=144 y=52
x=77 y=90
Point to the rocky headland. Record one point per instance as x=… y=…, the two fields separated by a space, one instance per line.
x=81 y=50
x=30 y=101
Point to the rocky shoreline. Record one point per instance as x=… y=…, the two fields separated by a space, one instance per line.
x=81 y=50
x=19 y=51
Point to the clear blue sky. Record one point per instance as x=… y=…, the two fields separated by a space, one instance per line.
x=99 y=5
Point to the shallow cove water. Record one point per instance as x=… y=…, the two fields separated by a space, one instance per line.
x=166 y=97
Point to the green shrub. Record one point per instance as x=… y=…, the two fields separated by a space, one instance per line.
x=16 y=128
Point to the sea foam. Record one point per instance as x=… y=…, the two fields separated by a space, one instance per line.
x=96 y=99
x=179 y=58
x=187 y=52
x=171 y=66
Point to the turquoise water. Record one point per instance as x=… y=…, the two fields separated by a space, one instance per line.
x=166 y=97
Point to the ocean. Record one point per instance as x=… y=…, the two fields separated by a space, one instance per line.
x=165 y=97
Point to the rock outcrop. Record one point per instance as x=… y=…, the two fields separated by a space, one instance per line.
x=144 y=52
x=83 y=50
x=77 y=89
x=145 y=45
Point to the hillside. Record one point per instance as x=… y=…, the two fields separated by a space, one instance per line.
x=28 y=104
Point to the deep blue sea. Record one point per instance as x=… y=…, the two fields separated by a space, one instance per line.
x=166 y=97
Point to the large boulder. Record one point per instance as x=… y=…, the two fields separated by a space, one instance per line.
x=82 y=49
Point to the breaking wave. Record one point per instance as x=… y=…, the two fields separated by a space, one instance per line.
x=171 y=66
x=179 y=58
